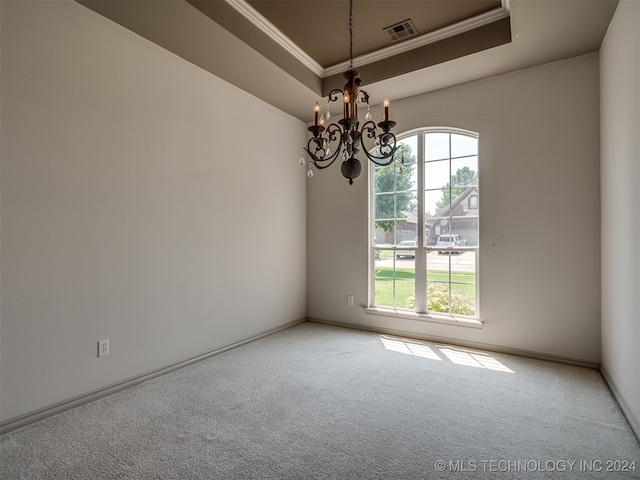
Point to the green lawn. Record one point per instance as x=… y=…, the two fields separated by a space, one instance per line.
x=463 y=295
x=387 y=272
x=404 y=290
x=432 y=275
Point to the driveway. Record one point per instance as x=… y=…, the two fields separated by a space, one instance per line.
x=463 y=262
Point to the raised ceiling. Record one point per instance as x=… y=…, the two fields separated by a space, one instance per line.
x=291 y=52
x=321 y=27
x=312 y=36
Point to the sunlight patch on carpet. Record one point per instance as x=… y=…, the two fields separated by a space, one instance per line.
x=409 y=348
x=455 y=355
x=473 y=359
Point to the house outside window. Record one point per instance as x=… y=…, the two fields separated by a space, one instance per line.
x=425 y=219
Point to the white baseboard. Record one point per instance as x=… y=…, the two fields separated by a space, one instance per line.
x=624 y=406
x=461 y=343
x=30 y=417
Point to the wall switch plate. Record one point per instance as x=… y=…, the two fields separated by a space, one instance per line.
x=103 y=348
x=350 y=300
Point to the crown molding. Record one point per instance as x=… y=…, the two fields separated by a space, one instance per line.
x=253 y=16
x=422 y=40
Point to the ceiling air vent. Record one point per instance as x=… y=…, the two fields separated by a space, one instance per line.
x=401 y=30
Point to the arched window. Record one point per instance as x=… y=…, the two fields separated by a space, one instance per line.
x=424 y=224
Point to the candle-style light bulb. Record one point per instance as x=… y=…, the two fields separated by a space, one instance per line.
x=386 y=109
x=346 y=104
x=316 y=109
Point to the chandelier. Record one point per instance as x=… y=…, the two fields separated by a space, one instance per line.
x=347 y=137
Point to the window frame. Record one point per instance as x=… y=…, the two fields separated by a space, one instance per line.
x=420 y=311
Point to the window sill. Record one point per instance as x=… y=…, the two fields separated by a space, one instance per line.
x=460 y=321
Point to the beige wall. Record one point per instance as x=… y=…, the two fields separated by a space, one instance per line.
x=143 y=200
x=134 y=209
x=540 y=214
x=620 y=172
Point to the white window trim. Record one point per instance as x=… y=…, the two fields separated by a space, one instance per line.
x=428 y=317
x=420 y=313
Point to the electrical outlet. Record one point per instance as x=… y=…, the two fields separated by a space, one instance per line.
x=350 y=300
x=103 y=347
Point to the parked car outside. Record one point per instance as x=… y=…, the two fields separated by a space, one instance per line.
x=406 y=253
x=449 y=241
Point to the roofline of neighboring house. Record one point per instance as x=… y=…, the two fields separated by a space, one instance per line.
x=413 y=217
x=445 y=210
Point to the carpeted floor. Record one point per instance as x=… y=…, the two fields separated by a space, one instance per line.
x=322 y=402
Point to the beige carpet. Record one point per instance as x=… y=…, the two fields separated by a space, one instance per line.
x=321 y=402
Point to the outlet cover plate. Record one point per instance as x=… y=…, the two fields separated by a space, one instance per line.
x=103 y=348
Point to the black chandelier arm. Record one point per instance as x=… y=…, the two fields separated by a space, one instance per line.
x=334 y=132
x=317 y=144
x=333 y=95
x=319 y=160
x=369 y=128
x=375 y=159
x=364 y=96
x=385 y=139
x=316 y=160
x=387 y=145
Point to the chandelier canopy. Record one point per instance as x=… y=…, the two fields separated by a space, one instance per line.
x=346 y=136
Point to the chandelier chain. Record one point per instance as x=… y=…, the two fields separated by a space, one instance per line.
x=351 y=34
